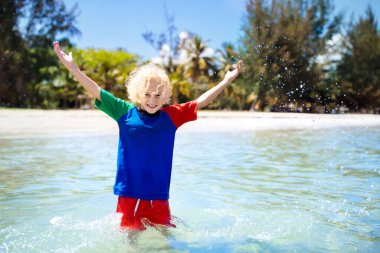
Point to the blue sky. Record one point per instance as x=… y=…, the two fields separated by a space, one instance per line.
x=112 y=24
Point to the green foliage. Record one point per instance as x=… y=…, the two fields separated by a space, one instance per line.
x=26 y=54
x=359 y=70
x=235 y=95
x=280 y=43
x=12 y=55
x=107 y=68
x=199 y=67
x=181 y=88
x=58 y=88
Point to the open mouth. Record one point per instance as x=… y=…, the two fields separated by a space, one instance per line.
x=151 y=106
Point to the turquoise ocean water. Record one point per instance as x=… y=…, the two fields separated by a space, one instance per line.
x=257 y=191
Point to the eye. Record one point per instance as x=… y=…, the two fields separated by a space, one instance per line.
x=158 y=95
x=146 y=94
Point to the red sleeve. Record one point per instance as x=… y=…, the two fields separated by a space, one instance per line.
x=182 y=113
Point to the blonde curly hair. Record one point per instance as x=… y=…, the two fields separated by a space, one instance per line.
x=139 y=79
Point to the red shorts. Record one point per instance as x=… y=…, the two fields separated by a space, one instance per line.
x=138 y=212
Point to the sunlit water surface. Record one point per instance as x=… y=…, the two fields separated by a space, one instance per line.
x=261 y=191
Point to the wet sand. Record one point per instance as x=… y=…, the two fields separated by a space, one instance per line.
x=19 y=123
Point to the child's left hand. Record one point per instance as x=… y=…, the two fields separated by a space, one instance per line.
x=231 y=75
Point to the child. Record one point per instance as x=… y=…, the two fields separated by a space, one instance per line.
x=146 y=138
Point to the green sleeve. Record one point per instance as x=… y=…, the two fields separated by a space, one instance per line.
x=113 y=106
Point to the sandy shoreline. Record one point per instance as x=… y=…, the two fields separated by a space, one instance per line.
x=30 y=122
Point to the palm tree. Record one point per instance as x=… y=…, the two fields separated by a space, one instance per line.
x=235 y=96
x=199 y=67
x=108 y=68
x=227 y=58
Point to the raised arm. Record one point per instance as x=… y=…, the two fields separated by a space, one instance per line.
x=67 y=60
x=207 y=97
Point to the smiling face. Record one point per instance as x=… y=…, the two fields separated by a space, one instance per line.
x=152 y=98
x=149 y=88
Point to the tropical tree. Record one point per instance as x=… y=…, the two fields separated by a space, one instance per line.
x=280 y=42
x=235 y=95
x=227 y=58
x=26 y=50
x=200 y=67
x=58 y=89
x=181 y=88
x=12 y=50
x=358 y=71
x=171 y=56
x=108 y=68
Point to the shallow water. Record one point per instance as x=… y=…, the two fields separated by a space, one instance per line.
x=260 y=191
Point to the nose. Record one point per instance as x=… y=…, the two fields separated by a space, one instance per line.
x=152 y=99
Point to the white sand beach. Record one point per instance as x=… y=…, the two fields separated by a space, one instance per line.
x=20 y=123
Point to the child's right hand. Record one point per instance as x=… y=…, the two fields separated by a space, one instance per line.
x=67 y=60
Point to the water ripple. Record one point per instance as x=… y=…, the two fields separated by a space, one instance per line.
x=261 y=191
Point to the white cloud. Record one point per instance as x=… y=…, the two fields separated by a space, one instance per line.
x=334 y=51
x=209 y=52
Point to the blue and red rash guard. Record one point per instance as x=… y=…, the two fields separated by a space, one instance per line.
x=146 y=143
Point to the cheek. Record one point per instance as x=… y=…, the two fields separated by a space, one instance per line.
x=162 y=101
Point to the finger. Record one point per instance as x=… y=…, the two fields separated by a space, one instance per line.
x=57 y=49
x=56 y=44
x=240 y=65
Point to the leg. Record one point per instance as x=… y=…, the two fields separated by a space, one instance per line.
x=130 y=219
x=133 y=237
x=159 y=214
x=132 y=213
